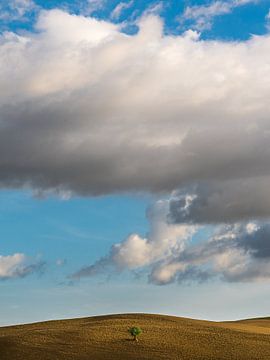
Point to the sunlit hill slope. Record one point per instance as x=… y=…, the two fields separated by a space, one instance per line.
x=163 y=337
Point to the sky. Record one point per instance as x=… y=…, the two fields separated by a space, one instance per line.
x=134 y=158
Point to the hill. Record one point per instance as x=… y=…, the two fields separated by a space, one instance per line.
x=164 y=337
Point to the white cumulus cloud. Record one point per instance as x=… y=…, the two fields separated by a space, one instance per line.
x=162 y=242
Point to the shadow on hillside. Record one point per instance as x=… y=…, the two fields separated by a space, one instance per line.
x=5 y=346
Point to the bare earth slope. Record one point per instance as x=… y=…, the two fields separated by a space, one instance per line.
x=164 y=337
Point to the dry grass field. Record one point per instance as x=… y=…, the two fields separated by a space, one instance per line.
x=164 y=337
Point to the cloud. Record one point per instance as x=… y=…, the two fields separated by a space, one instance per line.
x=16 y=9
x=104 y=112
x=61 y=262
x=221 y=202
x=154 y=9
x=94 y=5
x=237 y=252
x=268 y=20
x=202 y=16
x=17 y=266
x=120 y=7
x=186 y=251
x=136 y=252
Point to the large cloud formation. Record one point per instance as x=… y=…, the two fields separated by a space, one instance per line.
x=89 y=110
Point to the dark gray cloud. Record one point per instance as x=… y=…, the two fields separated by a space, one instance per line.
x=102 y=112
x=257 y=242
x=221 y=202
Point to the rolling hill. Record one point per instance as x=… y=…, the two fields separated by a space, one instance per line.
x=164 y=337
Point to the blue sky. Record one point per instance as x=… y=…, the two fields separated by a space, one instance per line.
x=240 y=22
x=130 y=183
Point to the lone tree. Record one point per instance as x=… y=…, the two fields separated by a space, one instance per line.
x=135 y=332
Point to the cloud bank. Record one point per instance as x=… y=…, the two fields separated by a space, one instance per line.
x=89 y=110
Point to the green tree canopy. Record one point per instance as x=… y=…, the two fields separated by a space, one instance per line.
x=135 y=332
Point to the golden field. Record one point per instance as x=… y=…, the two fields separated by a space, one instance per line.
x=164 y=337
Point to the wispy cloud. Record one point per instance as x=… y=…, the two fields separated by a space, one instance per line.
x=118 y=10
x=16 y=9
x=268 y=20
x=154 y=9
x=201 y=17
x=93 y=5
